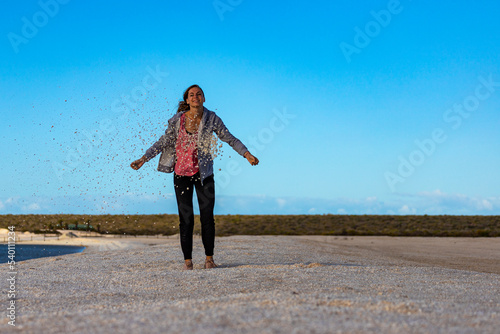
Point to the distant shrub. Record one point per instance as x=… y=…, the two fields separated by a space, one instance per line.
x=445 y=225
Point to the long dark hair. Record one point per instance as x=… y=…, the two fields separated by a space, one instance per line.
x=183 y=106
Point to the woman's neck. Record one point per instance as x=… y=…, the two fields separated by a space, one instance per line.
x=194 y=112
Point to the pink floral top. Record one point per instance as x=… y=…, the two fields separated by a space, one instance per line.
x=186 y=150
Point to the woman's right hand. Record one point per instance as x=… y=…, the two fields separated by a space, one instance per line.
x=138 y=163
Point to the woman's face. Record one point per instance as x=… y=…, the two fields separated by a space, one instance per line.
x=195 y=97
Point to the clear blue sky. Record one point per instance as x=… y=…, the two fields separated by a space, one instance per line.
x=352 y=107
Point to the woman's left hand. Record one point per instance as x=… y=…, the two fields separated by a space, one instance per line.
x=251 y=159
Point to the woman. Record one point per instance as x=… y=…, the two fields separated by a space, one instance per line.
x=185 y=150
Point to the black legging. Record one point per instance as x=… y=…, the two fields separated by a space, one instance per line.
x=206 y=200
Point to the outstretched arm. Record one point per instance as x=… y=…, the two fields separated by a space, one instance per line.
x=157 y=147
x=223 y=133
x=226 y=136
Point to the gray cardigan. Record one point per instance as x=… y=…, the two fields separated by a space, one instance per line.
x=210 y=122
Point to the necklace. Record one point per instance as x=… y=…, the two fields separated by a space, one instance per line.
x=191 y=125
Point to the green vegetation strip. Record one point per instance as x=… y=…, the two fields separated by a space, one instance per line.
x=441 y=226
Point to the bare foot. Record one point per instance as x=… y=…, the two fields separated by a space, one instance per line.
x=188 y=265
x=209 y=263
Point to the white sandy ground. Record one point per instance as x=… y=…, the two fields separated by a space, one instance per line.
x=264 y=284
